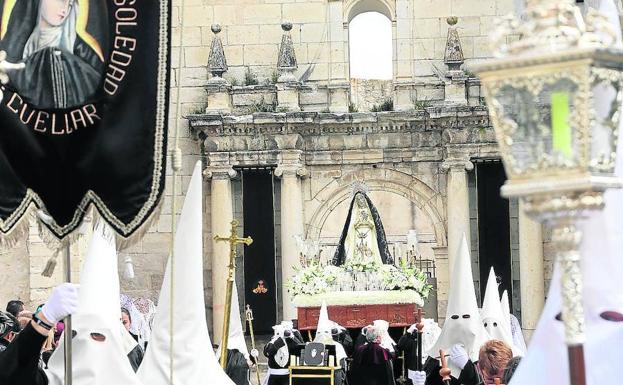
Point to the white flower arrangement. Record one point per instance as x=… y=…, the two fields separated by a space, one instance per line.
x=315 y=279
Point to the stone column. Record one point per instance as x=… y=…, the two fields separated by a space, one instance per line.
x=221 y=217
x=531 y=270
x=290 y=170
x=457 y=206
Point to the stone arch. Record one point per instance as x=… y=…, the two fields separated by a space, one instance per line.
x=380 y=179
x=355 y=7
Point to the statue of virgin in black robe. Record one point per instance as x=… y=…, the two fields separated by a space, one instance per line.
x=62 y=70
x=363 y=236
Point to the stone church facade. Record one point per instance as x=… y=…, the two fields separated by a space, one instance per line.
x=264 y=85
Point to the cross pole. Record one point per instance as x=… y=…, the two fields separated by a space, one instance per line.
x=234 y=241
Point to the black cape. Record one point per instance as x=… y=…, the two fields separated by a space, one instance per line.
x=408 y=345
x=372 y=365
x=19 y=363
x=237 y=368
x=340 y=254
x=136 y=357
x=468 y=376
x=270 y=350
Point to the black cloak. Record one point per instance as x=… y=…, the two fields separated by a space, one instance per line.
x=372 y=365
x=237 y=368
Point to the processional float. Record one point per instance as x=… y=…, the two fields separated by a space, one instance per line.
x=73 y=143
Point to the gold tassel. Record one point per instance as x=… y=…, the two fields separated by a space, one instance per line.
x=50 y=265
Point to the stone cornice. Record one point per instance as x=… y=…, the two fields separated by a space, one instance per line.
x=458 y=118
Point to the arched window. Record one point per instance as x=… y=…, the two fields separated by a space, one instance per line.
x=370 y=46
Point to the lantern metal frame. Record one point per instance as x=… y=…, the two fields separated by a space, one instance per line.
x=554 y=43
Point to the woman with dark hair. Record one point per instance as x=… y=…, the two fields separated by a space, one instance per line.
x=62 y=70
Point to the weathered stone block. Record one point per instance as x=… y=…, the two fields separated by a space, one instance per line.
x=261 y=14
x=243 y=34
x=287 y=98
x=305 y=12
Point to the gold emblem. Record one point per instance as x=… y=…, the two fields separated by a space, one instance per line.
x=260 y=289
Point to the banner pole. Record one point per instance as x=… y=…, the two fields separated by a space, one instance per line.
x=176 y=162
x=67 y=335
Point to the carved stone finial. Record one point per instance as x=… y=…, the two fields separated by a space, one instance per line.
x=217 y=63
x=286 y=62
x=454 y=53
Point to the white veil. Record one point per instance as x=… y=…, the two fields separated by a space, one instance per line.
x=62 y=37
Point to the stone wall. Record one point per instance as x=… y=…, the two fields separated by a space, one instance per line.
x=251 y=35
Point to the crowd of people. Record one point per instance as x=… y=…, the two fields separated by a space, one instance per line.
x=369 y=356
x=479 y=344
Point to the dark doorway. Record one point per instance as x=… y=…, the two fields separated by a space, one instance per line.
x=259 y=258
x=493 y=226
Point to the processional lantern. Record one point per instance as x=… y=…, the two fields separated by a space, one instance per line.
x=554 y=97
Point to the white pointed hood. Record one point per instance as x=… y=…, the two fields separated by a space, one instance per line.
x=462 y=325
x=103 y=361
x=236 y=338
x=194 y=359
x=506 y=309
x=323 y=332
x=602 y=268
x=324 y=325
x=494 y=320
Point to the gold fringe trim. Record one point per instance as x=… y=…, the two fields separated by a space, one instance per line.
x=20 y=231
x=127 y=242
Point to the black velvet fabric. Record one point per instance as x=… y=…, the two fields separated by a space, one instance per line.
x=468 y=376
x=111 y=147
x=19 y=363
x=372 y=365
x=237 y=368
x=340 y=254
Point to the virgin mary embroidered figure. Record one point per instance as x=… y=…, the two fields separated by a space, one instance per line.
x=363 y=237
x=64 y=64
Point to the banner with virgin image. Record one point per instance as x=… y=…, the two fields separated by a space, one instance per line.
x=83 y=115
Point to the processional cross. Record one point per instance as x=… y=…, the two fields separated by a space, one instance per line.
x=234 y=241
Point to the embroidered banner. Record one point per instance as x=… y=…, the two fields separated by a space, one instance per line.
x=84 y=121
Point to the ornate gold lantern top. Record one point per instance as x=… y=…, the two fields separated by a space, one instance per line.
x=554 y=94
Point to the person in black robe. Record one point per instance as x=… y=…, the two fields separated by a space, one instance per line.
x=342 y=336
x=62 y=69
x=136 y=357
x=237 y=367
x=408 y=345
x=372 y=364
x=274 y=350
x=8 y=328
x=468 y=375
x=20 y=363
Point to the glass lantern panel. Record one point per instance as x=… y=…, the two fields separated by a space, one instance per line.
x=607 y=97
x=558 y=124
x=520 y=121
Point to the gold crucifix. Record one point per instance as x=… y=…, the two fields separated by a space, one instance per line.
x=234 y=241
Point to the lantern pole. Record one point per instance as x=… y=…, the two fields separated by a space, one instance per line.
x=67 y=335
